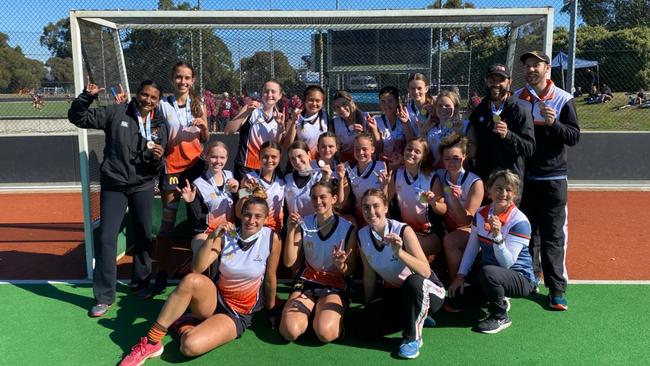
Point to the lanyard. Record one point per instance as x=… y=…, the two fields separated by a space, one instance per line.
x=376 y=235
x=533 y=93
x=304 y=228
x=188 y=111
x=496 y=113
x=459 y=180
x=145 y=131
x=235 y=234
x=215 y=187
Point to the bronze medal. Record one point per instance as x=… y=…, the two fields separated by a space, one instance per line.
x=496 y=118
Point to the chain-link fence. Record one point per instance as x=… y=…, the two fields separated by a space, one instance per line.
x=613 y=56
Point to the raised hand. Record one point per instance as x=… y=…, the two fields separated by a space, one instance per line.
x=188 y=192
x=495 y=225
x=395 y=241
x=371 y=122
x=456 y=191
x=431 y=197
x=340 y=256
x=402 y=113
x=294 y=221
x=383 y=177
x=122 y=96
x=93 y=89
x=157 y=151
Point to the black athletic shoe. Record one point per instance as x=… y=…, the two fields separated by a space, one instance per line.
x=492 y=325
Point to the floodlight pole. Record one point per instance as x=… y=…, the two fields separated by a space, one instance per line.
x=572 y=48
x=198 y=5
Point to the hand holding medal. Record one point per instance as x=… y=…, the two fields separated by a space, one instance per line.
x=233 y=185
x=548 y=113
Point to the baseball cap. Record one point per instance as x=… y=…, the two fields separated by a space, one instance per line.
x=498 y=69
x=535 y=54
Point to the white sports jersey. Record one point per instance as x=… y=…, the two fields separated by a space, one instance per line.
x=219 y=200
x=465 y=180
x=275 y=199
x=415 y=210
x=241 y=270
x=317 y=248
x=381 y=259
x=298 y=199
x=345 y=136
x=437 y=133
x=416 y=119
x=308 y=129
x=253 y=133
x=360 y=182
x=392 y=138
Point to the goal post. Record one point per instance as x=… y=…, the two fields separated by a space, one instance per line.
x=238 y=50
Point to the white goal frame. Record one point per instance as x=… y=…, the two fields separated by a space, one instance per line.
x=513 y=18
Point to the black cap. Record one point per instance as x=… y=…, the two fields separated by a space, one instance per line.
x=535 y=54
x=498 y=69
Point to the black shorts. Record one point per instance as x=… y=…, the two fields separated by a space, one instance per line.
x=317 y=290
x=169 y=182
x=242 y=321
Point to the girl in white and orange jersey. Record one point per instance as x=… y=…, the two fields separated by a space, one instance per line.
x=421 y=104
x=390 y=251
x=309 y=123
x=348 y=123
x=463 y=193
x=419 y=196
x=188 y=130
x=247 y=260
x=212 y=197
x=368 y=173
x=447 y=121
x=270 y=179
x=392 y=124
x=257 y=123
x=326 y=241
x=304 y=175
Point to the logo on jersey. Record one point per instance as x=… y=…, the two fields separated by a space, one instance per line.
x=124 y=124
x=309 y=245
x=229 y=256
x=173 y=180
x=258 y=258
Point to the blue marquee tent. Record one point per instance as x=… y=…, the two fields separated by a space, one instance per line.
x=562 y=60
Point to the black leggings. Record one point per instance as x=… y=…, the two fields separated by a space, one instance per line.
x=403 y=308
x=113 y=207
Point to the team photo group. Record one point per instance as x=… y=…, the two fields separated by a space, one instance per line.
x=426 y=206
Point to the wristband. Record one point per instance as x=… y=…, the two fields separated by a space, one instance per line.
x=498 y=240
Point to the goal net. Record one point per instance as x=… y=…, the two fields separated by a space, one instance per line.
x=237 y=51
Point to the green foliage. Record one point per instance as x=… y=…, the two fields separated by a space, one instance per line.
x=257 y=70
x=56 y=37
x=613 y=15
x=16 y=70
x=62 y=69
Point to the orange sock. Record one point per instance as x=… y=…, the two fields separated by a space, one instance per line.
x=156 y=333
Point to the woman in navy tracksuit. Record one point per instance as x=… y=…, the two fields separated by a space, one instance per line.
x=136 y=135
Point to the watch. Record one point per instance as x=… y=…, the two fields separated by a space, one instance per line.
x=498 y=240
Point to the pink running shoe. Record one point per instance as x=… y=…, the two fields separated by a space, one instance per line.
x=141 y=352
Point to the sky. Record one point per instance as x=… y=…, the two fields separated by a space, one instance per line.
x=24 y=20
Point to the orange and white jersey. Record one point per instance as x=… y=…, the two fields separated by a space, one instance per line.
x=274 y=197
x=360 y=182
x=393 y=138
x=298 y=198
x=381 y=258
x=551 y=97
x=437 y=133
x=345 y=136
x=184 y=146
x=219 y=200
x=466 y=180
x=414 y=210
x=241 y=270
x=319 y=266
x=308 y=129
x=257 y=129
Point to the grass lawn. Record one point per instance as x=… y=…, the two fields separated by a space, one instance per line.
x=51 y=108
x=48 y=325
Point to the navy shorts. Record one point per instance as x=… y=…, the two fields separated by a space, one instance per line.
x=169 y=182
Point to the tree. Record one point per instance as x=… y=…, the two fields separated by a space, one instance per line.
x=617 y=14
x=16 y=70
x=61 y=69
x=56 y=37
x=256 y=71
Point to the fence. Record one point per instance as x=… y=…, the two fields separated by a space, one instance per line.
x=35 y=54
